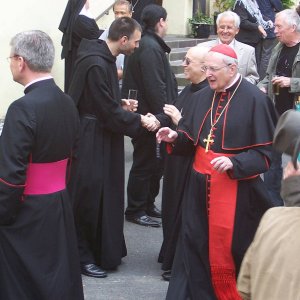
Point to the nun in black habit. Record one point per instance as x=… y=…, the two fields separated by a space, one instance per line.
x=76 y=23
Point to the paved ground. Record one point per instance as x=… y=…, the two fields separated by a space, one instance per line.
x=139 y=276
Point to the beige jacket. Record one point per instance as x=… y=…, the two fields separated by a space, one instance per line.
x=246 y=58
x=271 y=266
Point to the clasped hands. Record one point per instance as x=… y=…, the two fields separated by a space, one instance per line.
x=150 y=122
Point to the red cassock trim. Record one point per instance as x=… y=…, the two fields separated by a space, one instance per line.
x=221 y=203
x=12 y=185
x=46 y=178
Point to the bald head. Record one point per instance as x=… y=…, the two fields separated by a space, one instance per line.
x=198 y=53
x=193 y=64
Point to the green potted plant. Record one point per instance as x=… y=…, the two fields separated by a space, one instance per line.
x=201 y=25
x=221 y=6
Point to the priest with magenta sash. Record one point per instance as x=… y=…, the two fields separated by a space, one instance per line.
x=39 y=259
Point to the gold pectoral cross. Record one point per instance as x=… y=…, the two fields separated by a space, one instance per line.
x=209 y=140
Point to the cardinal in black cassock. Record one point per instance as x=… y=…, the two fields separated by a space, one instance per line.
x=221 y=210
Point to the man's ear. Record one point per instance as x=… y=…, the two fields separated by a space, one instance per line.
x=124 y=39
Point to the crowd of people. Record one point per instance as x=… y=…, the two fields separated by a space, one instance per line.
x=217 y=145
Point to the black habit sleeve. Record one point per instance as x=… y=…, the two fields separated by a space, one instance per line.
x=15 y=148
x=108 y=109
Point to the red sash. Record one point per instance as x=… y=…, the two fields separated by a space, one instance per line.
x=45 y=178
x=221 y=203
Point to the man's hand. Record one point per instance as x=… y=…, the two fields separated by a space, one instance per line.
x=282 y=81
x=166 y=134
x=263 y=89
x=173 y=113
x=289 y=170
x=222 y=164
x=150 y=122
x=130 y=104
x=262 y=31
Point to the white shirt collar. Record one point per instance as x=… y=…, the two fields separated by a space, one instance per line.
x=38 y=79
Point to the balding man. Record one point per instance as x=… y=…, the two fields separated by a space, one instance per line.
x=177 y=167
x=228 y=129
x=228 y=25
x=283 y=71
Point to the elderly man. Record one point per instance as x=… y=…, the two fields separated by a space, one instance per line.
x=228 y=24
x=38 y=248
x=282 y=76
x=224 y=196
x=177 y=167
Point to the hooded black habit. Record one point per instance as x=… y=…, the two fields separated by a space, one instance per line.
x=97 y=187
x=75 y=27
x=176 y=171
x=244 y=132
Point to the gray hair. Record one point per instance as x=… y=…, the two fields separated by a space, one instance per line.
x=229 y=14
x=37 y=49
x=123 y=2
x=229 y=60
x=291 y=17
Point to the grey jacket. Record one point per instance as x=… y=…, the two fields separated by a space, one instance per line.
x=246 y=59
x=271 y=71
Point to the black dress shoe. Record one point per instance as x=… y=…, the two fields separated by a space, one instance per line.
x=143 y=220
x=93 y=270
x=153 y=212
x=166 y=275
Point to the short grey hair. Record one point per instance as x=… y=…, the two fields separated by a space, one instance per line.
x=291 y=17
x=37 y=49
x=229 y=60
x=229 y=14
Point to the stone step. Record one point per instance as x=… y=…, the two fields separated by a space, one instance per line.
x=181 y=81
x=178 y=53
x=176 y=66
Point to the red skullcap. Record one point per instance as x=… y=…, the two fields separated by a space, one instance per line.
x=224 y=49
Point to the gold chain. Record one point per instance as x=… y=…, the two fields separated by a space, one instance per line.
x=212 y=105
x=209 y=140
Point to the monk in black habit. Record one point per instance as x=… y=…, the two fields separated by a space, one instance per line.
x=77 y=23
x=177 y=167
x=229 y=129
x=97 y=187
x=38 y=248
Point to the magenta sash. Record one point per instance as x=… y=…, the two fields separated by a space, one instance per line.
x=46 y=178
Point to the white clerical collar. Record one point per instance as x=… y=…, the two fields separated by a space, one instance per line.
x=38 y=79
x=237 y=76
x=86 y=12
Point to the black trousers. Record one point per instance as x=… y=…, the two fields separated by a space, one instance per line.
x=145 y=174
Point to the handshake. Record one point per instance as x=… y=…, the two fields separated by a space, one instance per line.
x=150 y=122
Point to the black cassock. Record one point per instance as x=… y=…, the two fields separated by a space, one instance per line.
x=97 y=187
x=38 y=255
x=244 y=131
x=176 y=171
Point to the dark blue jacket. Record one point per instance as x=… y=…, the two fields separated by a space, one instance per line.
x=268 y=8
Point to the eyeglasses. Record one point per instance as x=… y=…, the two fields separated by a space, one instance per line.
x=213 y=69
x=10 y=57
x=186 y=60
